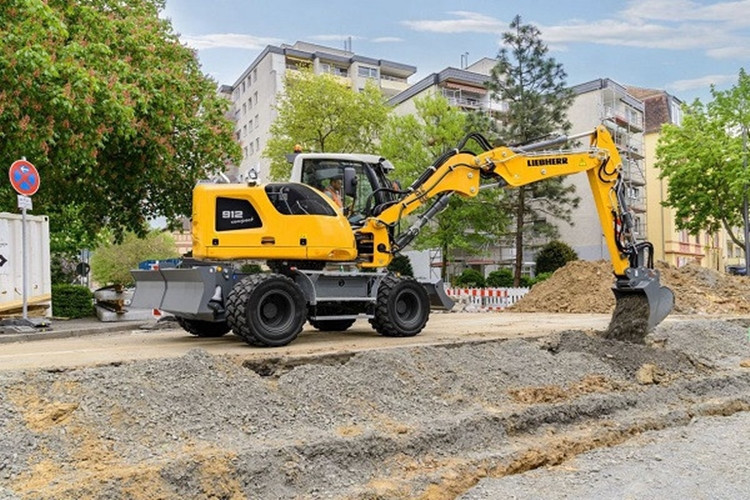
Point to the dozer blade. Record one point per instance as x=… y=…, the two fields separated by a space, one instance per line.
x=149 y=289
x=641 y=303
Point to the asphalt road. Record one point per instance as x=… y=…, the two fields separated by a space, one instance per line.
x=120 y=346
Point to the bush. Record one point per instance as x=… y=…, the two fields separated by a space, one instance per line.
x=470 y=278
x=62 y=268
x=112 y=263
x=401 y=265
x=251 y=269
x=72 y=301
x=501 y=278
x=553 y=256
x=539 y=278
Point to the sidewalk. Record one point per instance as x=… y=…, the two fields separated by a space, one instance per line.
x=59 y=328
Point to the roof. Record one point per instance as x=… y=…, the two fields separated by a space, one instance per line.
x=657 y=107
x=606 y=83
x=305 y=50
x=435 y=79
x=361 y=157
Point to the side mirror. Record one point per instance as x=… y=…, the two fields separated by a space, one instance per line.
x=350 y=181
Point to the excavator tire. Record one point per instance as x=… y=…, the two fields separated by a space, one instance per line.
x=203 y=328
x=331 y=325
x=402 y=308
x=266 y=310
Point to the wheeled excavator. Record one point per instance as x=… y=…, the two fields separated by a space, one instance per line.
x=328 y=263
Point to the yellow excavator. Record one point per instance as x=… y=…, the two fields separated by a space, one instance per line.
x=328 y=262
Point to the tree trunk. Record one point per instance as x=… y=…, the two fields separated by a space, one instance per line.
x=520 y=212
x=444 y=268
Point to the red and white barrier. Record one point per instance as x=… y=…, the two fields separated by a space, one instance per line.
x=486 y=299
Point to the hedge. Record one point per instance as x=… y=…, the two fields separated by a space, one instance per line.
x=72 y=301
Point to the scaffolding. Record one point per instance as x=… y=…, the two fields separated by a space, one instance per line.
x=623 y=115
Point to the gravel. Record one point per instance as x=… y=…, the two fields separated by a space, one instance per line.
x=701 y=460
x=395 y=423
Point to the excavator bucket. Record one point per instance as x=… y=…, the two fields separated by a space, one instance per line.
x=641 y=303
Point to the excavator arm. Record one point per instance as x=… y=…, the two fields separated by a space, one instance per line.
x=464 y=174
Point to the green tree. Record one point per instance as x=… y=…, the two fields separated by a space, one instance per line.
x=111 y=108
x=553 y=256
x=500 y=278
x=532 y=84
x=702 y=160
x=322 y=114
x=470 y=277
x=412 y=143
x=401 y=264
x=111 y=263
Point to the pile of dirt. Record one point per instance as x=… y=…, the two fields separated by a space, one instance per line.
x=585 y=287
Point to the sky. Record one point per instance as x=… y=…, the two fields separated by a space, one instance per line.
x=681 y=46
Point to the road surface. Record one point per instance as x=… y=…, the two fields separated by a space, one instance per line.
x=138 y=344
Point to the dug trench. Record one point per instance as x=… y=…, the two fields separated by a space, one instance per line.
x=418 y=422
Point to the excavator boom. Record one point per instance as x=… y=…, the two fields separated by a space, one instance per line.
x=461 y=173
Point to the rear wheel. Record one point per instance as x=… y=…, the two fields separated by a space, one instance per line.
x=402 y=308
x=266 y=310
x=201 y=328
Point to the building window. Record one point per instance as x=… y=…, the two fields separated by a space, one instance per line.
x=255 y=97
x=250 y=124
x=255 y=75
x=244 y=130
x=333 y=70
x=252 y=149
x=250 y=103
x=243 y=87
x=257 y=121
x=676 y=112
x=257 y=143
x=367 y=72
x=244 y=109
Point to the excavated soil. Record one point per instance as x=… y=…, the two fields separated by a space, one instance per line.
x=410 y=422
x=585 y=287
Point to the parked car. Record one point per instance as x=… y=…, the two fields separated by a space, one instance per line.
x=737 y=270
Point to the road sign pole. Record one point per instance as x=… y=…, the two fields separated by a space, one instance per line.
x=25 y=264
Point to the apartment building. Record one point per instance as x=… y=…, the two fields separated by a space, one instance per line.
x=255 y=92
x=672 y=245
x=604 y=101
x=464 y=88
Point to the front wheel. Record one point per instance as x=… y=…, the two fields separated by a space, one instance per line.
x=201 y=328
x=402 y=308
x=266 y=310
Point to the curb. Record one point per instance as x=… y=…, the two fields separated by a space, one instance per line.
x=63 y=333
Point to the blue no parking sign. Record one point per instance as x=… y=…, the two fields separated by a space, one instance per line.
x=24 y=177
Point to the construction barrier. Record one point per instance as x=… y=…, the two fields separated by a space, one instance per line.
x=486 y=299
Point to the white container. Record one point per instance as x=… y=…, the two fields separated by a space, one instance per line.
x=39 y=290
